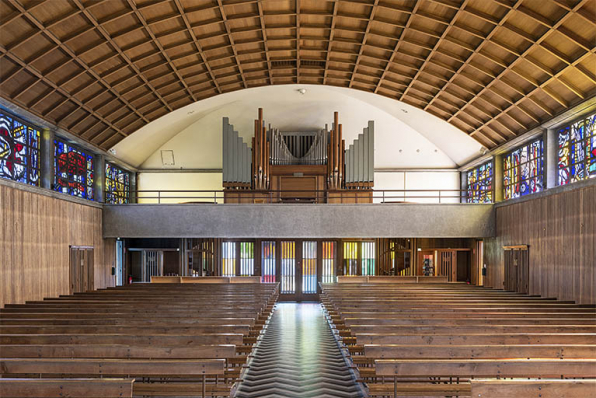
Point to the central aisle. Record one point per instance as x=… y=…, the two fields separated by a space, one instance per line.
x=298 y=357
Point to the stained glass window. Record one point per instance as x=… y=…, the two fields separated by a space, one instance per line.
x=350 y=258
x=117 y=185
x=368 y=258
x=480 y=184
x=328 y=262
x=577 y=151
x=523 y=170
x=268 y=262
x=73 y=171
x=228 y=259
x=247 y=258
x=309 y=267
x=19 y=150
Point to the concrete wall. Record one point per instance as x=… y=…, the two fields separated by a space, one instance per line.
x=298 y=221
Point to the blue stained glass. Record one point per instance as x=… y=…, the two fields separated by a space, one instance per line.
x=19 y=151
x=117 y=184
x=480 y=184
x=73 y=173
x=521 y=167
x=577 y=150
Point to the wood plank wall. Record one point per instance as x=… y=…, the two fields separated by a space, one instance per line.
x=561 y=232
x=35 y=234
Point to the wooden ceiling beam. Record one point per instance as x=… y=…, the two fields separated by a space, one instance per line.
x=511 y=65
x=476 y=50
x=50 y=35
x=297 y=7
x=435 y=47
x=64 y=93
x=371 y=17
x=231 y=40
x=118 y=52
x=157 y=43
x=265 y=39
x=398 y=44
x=579 y=59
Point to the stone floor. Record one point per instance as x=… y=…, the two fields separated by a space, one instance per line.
x=298 y=357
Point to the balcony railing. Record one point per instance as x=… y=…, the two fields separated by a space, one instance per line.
x=376 y=196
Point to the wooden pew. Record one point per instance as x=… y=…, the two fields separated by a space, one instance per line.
x=544 y=388
x=171 y=369
x=469 y=368
x=479 y=351
x=174 y=323
x=452 y=325
x=75 y=388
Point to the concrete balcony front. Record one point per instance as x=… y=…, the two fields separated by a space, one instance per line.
x=298 y=221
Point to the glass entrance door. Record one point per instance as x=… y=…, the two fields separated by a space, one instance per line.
x=298 y=265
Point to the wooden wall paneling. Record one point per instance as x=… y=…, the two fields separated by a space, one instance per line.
x=560 y=230
x=35 y=233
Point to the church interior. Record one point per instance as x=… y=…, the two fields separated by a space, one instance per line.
x=298 y=198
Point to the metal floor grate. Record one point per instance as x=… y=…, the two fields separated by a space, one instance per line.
x=298 y=357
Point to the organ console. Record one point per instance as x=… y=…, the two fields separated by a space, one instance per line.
x=310 y=166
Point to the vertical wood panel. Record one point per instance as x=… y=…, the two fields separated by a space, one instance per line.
x=561 y=232
x=35 y=234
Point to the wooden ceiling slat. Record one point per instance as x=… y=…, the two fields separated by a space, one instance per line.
x=493 y=69
x=537 y=42
x=164 y=54
x=66 y=95
x=398 y=44
x=476 y=51
x=371 y=17
x=435 y=47
x=231 y=39
x=265 y=39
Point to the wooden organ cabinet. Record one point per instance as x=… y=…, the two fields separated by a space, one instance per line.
x=310 y=167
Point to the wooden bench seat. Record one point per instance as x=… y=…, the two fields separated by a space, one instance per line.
x=112 y=367
x=487 y=368
x=419 y=389
x=349 y=322
x=227 y=351
x=160 y=369
x=544 y=388
x=166 y=340
x=477 y=338
x=478 y=351
x=125 y=330
x=74 y=388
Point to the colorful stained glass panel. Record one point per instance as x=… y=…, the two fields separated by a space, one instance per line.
x=577 y=151
x=73 y=171
x=480 y=181
x=19 y=150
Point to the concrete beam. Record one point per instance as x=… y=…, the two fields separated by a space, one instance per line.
x=298 y=221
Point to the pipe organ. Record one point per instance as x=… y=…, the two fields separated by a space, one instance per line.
x=312 y=166
x=360 y=168
x=236 y=158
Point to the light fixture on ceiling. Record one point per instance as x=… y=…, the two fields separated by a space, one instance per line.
x=191 y=112
x=404 y=111
x=112 y=151
x=302 y=91
x=483 y=150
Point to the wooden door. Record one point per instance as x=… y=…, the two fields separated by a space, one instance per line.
x=447 y=265
x=517 y=275
x=81 y=269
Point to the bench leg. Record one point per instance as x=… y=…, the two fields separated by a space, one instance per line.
x=394 y=387
x=204 y=388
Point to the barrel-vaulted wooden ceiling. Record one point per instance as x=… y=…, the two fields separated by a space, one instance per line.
x=103 y=69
